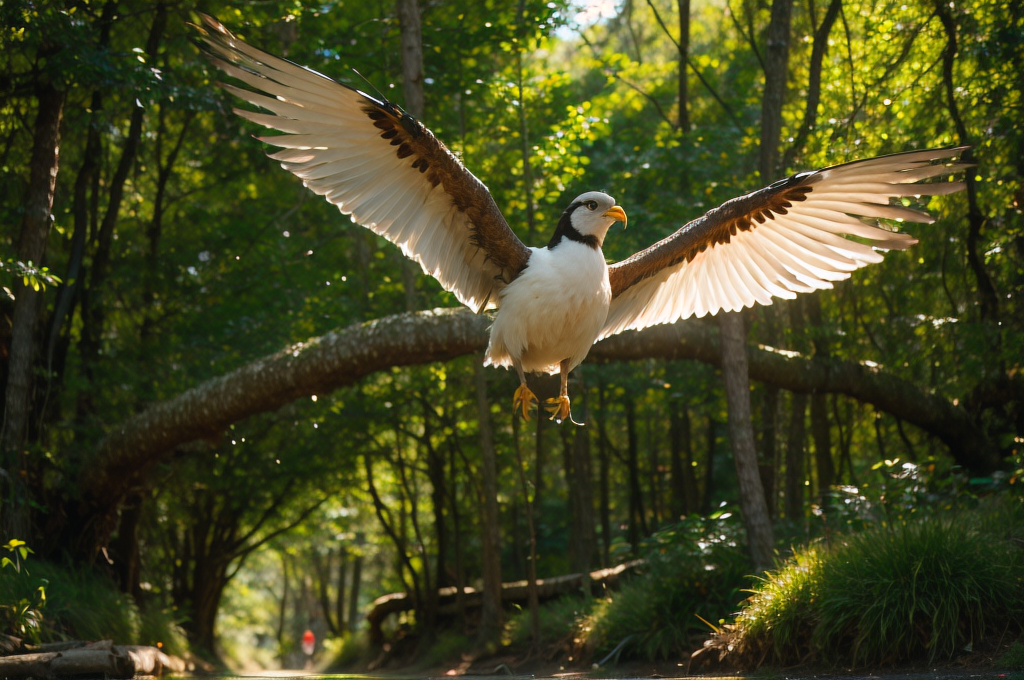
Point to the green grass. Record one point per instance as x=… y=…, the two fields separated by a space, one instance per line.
x=924 y=588
x=1013 y=658
x=559 y=619
x=82 y=604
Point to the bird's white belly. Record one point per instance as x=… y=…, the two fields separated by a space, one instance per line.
x=553 y=311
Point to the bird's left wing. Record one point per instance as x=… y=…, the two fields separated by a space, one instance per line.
x=379 y=165
x=785 y=239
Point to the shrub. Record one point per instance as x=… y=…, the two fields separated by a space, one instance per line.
x=559 y=620
x=1013 y=658
x=83 y=604
x=916 y=588
x=694 y=573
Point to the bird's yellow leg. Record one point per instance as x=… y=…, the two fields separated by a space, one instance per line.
x=558 y=407
x=524 y=398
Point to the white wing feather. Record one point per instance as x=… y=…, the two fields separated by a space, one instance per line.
x=796 y=252
x=333 y=147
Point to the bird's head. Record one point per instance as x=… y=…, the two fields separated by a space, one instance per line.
x=593 y=213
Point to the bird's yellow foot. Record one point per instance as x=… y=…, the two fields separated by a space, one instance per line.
x=558 y=407
x=524 y=399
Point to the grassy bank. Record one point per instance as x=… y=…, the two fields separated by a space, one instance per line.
x=695 y=572
x=83 y=605
x=920 y=588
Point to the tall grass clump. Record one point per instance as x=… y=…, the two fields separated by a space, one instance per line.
x=85 y=605
x=559 y=621
x=921 y=588
x=694 y=572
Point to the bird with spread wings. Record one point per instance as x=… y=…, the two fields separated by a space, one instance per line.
x=389 y=173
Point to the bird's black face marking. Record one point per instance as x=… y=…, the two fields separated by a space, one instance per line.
x=566 y=230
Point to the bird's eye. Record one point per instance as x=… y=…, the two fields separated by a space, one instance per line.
x=591 y=205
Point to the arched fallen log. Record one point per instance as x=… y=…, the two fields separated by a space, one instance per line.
x=515 y=592
x=342 y=357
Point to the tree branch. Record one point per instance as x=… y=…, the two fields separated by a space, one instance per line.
x=342 y=357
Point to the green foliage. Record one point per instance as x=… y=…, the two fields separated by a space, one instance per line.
x=84 y=605
x=1013 y=658
x=36 y=277
x=447 y=647
x=21 y=614
x=922 y=587
x=694 y=574
x=347 y=651
x=160 y=626
x=237 y=260
x=560 y=620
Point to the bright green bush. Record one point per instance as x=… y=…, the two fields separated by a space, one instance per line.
x=925 y=587
x=695 y=572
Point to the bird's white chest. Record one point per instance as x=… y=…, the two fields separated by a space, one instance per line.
x=555 y=308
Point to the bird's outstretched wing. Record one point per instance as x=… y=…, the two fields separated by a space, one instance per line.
x=379 y=165
x=779 y=241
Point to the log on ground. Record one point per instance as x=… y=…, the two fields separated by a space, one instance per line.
x=515 y=592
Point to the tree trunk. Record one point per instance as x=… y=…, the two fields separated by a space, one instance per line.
x=822 y=447
x=709 y=465
x=741 y=435
x=683 y=117
x=411 y=38
x=397 y=536
x=354 y=587
x=821 y=34
x=637 y=521
x=776 y=72
x=93 y=311
x=795 y=457
x=532 y=596
x=124 y=549
x=654 y=475
x=768 y=454
x=460 y=570
x=819 y=406
x=685 y=499
x=282 y=612
x=35 y=230
x=604 y=478
x=490 y=537
x=340 y=601
x=976 y=219
x=582 y=540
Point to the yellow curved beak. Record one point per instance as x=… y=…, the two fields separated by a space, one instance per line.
x=617 y=213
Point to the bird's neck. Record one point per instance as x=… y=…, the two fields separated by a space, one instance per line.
x=565 y=230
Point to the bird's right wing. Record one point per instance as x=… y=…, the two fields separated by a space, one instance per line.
x=379 y=165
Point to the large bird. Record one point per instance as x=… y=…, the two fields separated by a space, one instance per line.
x=390 y=174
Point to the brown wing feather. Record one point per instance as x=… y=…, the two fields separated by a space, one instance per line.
x=379 y=165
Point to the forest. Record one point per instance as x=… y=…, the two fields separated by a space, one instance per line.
x=231 y=415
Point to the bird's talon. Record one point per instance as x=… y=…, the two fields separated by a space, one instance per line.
x=558 y=407
x=524 y=399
